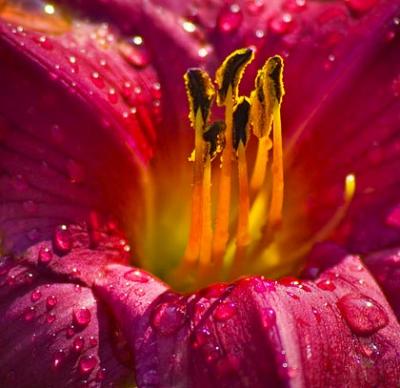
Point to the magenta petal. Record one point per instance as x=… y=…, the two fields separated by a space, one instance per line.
x=256 y=331
x=54 y=334
x=77 y=122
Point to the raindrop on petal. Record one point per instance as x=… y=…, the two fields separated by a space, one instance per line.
x=364 y=315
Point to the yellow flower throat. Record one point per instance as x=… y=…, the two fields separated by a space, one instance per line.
x=236 y=214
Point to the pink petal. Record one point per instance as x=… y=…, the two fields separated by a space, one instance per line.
x=336 y=331
x=55 y=333
x=73 y=134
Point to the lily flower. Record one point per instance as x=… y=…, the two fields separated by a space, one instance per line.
x=199 y=194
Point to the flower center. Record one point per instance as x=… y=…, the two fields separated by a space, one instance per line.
x=236 y=217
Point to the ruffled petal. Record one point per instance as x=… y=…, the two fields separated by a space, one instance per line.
x=77 y=121
x=50 y=312
x=257 y=331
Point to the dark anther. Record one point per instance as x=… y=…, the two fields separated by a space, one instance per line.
x=241 y=122
x=214 y=136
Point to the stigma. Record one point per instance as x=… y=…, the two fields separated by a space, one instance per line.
x=238 y=190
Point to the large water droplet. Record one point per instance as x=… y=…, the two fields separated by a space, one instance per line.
x=167 y=318
x=87 y=364
x=62 y=239
x=201 y=338
x=225 y=311
x=364 y=315
x=230 y=19
x=136 y=276
x=82 y=316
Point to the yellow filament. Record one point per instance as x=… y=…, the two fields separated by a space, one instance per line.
x=275 y=212
x=260 y=167
x=194 y=241
x=242 y=234
x=221 y=235
x=206 y=232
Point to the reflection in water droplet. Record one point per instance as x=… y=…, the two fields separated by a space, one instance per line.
x=364 y=315
x=58 y=359
x=45 y=255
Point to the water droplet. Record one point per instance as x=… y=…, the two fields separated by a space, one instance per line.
x=78 y=344
x=230 y=19
x=97 y=80
x=134 y=54
x=281 y=24
x=29 y=313
x=364 y=315
x=361 y=6
x=87 y=364
x=201 y=338
x=136 y=275
x=396 y=86
x=112 y=96
x=70 y=331
x=268 y=317
x=51 y=301
x=82 y=316
x=326 y=285
x=225 y=311
x=58 y=359
x=45 y=255
x=101 y=374
x=62 y=239
x=92 y=341
x=255 y=7
x=44 y=42
x=167 y=318
x=36 y=295
x=50 y=318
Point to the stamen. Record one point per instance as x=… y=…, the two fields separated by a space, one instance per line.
x=265 y=99
x=200 y=93
x=241 y=133
x=227 y=77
